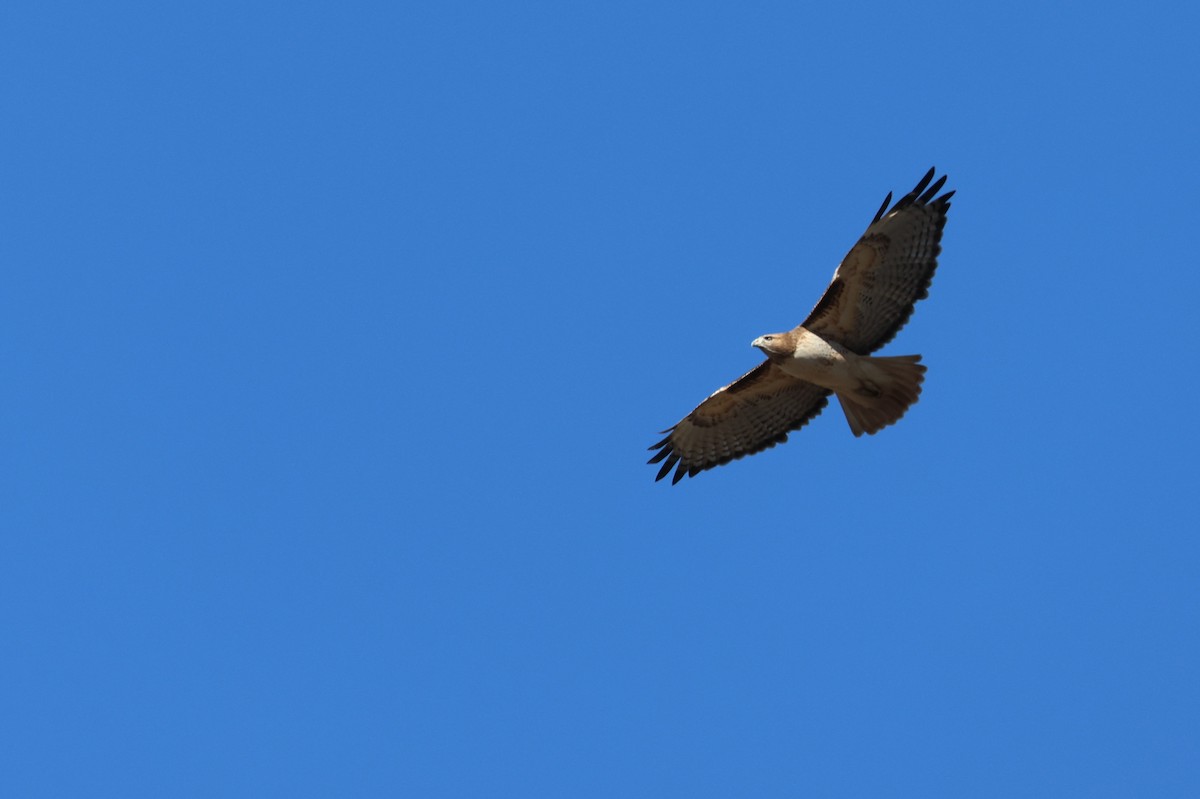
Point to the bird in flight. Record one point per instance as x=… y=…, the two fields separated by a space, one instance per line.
x=871 y=297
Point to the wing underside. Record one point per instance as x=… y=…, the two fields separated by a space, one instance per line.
x=887 y=271
x=753 y=413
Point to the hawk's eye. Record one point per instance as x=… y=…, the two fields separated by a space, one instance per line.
x=768 y=338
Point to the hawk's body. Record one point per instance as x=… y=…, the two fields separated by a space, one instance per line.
x=871 y=297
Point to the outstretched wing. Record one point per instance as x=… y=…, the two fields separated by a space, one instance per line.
x=886 y=272
x=753 y=413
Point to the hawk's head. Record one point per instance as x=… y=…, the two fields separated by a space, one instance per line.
x=775 y=344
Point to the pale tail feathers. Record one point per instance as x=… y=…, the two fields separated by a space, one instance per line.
x=892 y=385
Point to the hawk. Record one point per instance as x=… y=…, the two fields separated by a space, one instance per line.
x=871 y=297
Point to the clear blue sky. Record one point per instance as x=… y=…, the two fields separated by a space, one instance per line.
x=333 y=337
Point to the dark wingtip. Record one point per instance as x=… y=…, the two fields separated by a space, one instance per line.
x=923 y=182
x=921 y=194
x=666 y=467
x=932 y=190
x=886 y=201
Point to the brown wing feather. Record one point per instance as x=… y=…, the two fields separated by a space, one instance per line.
x=755 y=412
x=890 y=268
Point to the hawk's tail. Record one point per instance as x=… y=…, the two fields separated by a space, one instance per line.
x=888 y=387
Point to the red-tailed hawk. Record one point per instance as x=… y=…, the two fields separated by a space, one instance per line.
x=871 y=297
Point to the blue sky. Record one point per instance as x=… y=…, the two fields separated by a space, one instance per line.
x=333 y=337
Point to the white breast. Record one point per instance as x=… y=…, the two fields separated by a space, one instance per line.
x=819 y=361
